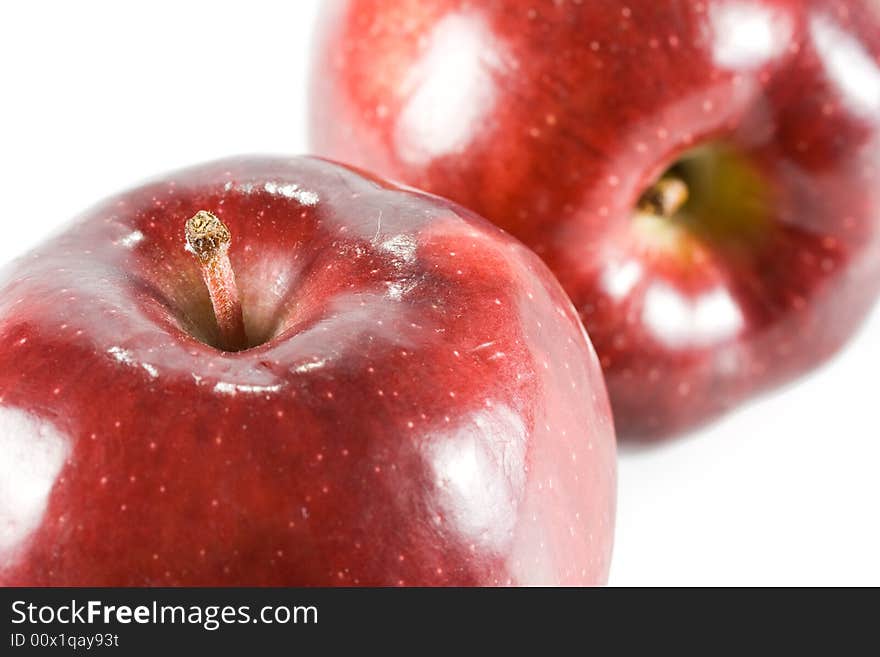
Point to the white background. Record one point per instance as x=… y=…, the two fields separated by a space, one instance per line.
x=97 y=96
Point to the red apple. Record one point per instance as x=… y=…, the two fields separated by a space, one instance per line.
x=703 y=177
x=417 y=402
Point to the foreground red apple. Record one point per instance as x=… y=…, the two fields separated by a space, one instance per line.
x=418 y=403
x=703 y=177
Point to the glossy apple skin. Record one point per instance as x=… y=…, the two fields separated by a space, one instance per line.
x=425 y=408
x=552 y=118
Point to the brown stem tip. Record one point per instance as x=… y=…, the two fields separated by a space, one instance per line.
x=208 y=238
x=665 y=197
x=206 y=235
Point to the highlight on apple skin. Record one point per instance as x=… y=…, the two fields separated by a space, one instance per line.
x=413 y=401
x=565 y=122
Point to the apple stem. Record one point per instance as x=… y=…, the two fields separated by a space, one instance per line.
x=665 y=197
x=208 y=238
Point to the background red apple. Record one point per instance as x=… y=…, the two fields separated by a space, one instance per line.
x=557 y=119
x=419 y=404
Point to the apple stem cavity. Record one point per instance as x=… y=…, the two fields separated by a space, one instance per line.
x=208 y=238
x=665 y=197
